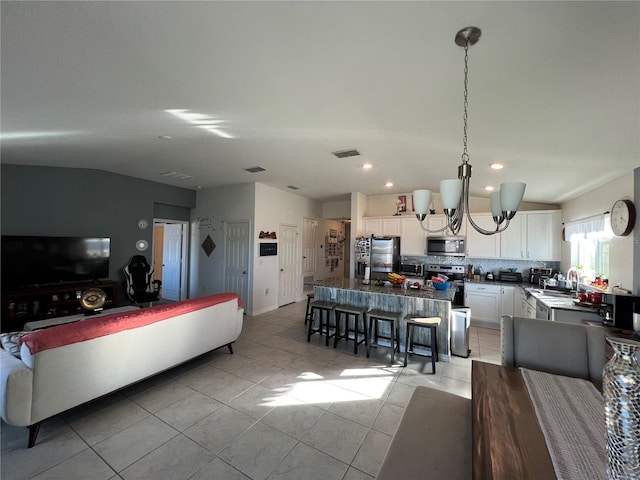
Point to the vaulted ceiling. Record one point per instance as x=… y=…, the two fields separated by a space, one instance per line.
x=554 y=92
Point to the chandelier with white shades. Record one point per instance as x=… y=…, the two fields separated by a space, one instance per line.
x=454 y=193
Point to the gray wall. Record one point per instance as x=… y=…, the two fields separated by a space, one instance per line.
x=80 y=202
x=215 y=206
x=636 y=232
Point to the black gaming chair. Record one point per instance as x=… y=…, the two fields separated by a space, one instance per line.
x=138 y=284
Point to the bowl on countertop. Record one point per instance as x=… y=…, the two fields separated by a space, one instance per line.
x=441 y=286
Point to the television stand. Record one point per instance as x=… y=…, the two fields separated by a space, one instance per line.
x=52 y=322
x=51 y=301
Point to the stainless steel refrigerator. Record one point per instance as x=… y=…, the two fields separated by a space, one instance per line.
x=385 y=256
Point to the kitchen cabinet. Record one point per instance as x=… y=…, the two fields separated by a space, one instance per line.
x=522 y=307
x=530 y=307
x=382 y=226
x=489 y=302
x=438 y=221
x=513 y=241
x=373 y=226
x=479 y=245
x=413 y=240
x=391 y=226
x=544 y=235
x=532 y=236
x=573 y=316
x=485 y=302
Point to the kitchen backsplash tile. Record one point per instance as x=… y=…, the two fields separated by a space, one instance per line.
x=486 y=265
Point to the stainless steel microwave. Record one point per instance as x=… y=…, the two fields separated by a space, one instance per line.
x=446 y=246
x=413 y=269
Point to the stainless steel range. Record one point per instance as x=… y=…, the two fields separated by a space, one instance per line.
x=456 y=277
x=460 y=321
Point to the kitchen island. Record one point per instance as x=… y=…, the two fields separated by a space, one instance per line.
x=426 y=302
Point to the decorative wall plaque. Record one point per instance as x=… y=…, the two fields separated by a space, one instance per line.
x=208 y=246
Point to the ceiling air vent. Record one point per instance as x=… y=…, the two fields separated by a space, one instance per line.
x=256 y=169
x=292 y=187
x=176 y=175
x=347 y=153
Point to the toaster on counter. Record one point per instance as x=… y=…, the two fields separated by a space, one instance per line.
x=515 y=277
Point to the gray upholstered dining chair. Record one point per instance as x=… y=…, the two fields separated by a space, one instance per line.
x=562 y=348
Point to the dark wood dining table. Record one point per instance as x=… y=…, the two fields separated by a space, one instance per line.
x=507 y=440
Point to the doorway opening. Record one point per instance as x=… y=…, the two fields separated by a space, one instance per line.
x=170 y=257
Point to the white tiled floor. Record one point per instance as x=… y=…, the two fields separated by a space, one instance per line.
x=278 y=408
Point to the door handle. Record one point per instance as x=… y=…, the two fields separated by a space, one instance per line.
x=244 y=273
x=282 y=269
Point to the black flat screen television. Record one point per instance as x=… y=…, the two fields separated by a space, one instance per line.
x=29 y=261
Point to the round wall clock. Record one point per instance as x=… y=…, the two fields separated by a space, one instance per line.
x=142 y=224
x=623 y=217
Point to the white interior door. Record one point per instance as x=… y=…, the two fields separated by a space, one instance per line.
x=287 y=259
x=172 y=261
x=309 y=234
x=236 y=258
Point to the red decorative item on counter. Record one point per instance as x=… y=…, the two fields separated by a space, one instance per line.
x=595 y=297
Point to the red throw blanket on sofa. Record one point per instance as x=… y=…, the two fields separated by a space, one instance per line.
x=98 y=327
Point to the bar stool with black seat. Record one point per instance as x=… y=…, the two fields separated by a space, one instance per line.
x=307 y=314
x=324 y=310
x=358 y=313
x=392 y=318
x=416 y=321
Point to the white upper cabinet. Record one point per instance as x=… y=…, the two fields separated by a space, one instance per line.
x=479 y=245
x=533 y=236
x=544 y=235
x=513 y=244
x=382 y=226
x=391 y=226
x=438 y=221
x=413 y=238
x=373 y=226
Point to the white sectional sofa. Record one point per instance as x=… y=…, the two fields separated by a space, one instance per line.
x=65 y=366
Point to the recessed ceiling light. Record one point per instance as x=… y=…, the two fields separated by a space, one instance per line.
x=496 y=166
x=388 y=184
x=366 y=166
x=489 y=188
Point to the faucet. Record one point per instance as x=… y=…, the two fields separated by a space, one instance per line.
x=573 y=276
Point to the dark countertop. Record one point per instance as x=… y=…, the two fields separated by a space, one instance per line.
x=551 y=301
x=498 y=282
x=356 y=284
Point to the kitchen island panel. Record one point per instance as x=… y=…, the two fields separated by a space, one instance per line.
x=431 y=303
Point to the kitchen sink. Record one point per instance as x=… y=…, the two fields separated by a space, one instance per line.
x=552 y=293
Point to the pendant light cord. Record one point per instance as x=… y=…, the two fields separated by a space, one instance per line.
x=465 y=155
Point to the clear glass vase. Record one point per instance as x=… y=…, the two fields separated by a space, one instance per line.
x=621 y=390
